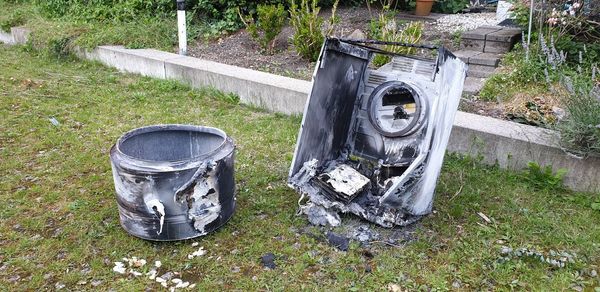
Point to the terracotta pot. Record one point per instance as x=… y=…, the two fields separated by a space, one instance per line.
x=423 y=7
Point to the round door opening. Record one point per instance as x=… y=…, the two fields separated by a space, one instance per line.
x=395 y=109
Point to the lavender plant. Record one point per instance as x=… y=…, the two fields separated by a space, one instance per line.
x=579 y=90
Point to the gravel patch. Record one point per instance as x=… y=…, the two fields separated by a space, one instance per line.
x=463 y=22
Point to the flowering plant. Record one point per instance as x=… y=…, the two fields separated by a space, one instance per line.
x=573 y=17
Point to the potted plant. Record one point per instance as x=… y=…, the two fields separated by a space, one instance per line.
x=423 y=7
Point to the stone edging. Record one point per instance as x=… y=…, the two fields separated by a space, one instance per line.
x=508 y=144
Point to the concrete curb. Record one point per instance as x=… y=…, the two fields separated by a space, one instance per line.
x=272 y=92
x=17 y=36
x=512 y=146
x=508 y=144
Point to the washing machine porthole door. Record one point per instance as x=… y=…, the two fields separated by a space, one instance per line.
x=396 y=109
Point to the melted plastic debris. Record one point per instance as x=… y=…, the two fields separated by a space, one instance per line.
x=134 y=266
x=323 y=210
x=119 y=268
x=268 y=261
x=345 y=181
x=198 y=253
x=135 y=262
x=317 y=215
x=340 y=242
x=205 y=207
x=152 y=274
x=364 y=234
x=159 y=209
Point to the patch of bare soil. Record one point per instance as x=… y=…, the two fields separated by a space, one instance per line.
x=239 y=49
x=484 y=108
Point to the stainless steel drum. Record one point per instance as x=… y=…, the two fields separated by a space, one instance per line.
x=173 y=182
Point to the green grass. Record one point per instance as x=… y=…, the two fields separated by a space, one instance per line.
x=516 y=76
x=46 y=33
x=59 y=220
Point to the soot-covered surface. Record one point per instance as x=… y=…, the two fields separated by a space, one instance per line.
x=174 y=182
x=389 y=125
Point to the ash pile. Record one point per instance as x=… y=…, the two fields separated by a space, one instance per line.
x=372 y=141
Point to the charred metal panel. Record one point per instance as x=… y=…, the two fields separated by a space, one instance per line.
x=173 y=182
x=372 y=142
x=333 y=95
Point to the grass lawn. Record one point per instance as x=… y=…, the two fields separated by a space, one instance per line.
x=57 y=36
x=59 y=221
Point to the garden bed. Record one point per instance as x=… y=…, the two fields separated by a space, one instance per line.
x=239 y=49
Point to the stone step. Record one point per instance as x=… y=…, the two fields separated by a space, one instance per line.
x=479 y=58
x=491 y=39
x=480 y=72
x=481 y=64
x=473 y=85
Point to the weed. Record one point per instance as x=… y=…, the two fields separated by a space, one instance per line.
x=409 y=34
x=543 y=177
x=16 y=18
x=450 y=6
x=269 y=24
x=227 y=97
x=59 y=47
x=306 y=22
x=384 y=27
x=457 y=38
x=596 y=206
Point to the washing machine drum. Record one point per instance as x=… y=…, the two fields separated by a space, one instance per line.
x=396 y=109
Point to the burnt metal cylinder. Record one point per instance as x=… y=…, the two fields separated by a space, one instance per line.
x=173 y=182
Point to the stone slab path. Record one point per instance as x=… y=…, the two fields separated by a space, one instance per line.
x=482 y=49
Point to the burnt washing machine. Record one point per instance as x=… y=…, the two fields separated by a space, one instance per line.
x=372 y=141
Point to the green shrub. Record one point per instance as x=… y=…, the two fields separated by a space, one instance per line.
x=214 y=16
x=222 y=16
x=270 y=22
x=520 y=13
x=306 y=22
x=450 y=6
x=385 y=16
x=580 y=130
x=385 y=28
x=571 y=47
x=16 y=18
x=543 y=177
x=59 y=47
x=113 y=10
x=523 y=74
x=391 y=32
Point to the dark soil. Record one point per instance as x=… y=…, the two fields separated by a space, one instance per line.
x=484 y=108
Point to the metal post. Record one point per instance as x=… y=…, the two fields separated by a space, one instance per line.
x=529 y=31
x=181 y=27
